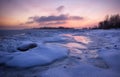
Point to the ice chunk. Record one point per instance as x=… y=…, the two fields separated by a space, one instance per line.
x=38 y=56
x=26 y=47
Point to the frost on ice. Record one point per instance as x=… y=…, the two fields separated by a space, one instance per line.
x=40 y=55
x=92 y=53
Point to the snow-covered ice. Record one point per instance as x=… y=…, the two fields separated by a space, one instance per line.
x=89 y=53
x=79 y=70
x=41 y=55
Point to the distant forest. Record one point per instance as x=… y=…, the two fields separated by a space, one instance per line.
x=54 y=28
x=109 y=22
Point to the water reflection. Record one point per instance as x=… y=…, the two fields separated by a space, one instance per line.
x=75 y=45
x=82 y=39
x=67 y=35
x=78 y=45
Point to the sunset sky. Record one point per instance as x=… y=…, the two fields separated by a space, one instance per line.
x=20 y=14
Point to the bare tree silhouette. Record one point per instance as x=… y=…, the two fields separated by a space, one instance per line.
x=112 y=21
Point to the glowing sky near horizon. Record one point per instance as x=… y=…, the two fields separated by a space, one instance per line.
x=17 y=14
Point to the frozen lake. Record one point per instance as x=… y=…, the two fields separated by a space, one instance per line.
x=60 y=53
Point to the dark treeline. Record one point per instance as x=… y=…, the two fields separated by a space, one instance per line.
x=54 y=28
x=110 y=22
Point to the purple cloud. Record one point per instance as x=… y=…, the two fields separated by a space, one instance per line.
x=60 y=8
x=76 y=17
x=54 y=18
x=55 y=23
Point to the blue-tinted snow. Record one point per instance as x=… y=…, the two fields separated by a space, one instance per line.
x=92 y=53
x=41 y=55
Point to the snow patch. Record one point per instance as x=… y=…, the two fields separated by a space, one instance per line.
x=40 y=55
x=112 y=57
x=81 y=70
